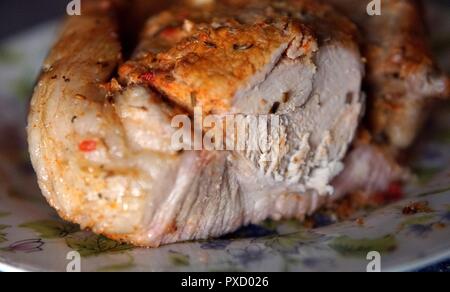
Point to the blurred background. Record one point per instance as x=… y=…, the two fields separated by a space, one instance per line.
x=17 y=15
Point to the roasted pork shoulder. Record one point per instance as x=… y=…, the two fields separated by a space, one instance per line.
x=101 y=128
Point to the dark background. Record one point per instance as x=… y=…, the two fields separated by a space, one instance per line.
x=19 y=15
x=16 y=15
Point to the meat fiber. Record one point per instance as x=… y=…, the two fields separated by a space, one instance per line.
x=263 y=62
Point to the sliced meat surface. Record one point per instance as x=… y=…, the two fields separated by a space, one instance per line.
x=283 y=58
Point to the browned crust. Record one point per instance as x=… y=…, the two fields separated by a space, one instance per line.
x=228 y=56
x=186 y=52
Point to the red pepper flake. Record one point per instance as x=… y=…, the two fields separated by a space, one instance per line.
x=204 y=37
x=169 y=33
x=392 y=194
x=395 y=191
x=148 y=77
x=87 y=146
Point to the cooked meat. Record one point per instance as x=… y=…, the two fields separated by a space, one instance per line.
x=369 y=168
x=259 y=61
x=102 y=151
x=402 y=77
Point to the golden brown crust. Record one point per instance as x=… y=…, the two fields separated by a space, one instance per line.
x=190 y=72
x=185 y=53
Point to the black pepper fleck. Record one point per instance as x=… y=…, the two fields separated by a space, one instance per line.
x=286 y=97
x=103 y=64
x=349 y=98
x=210 y=45
x=274 y=108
